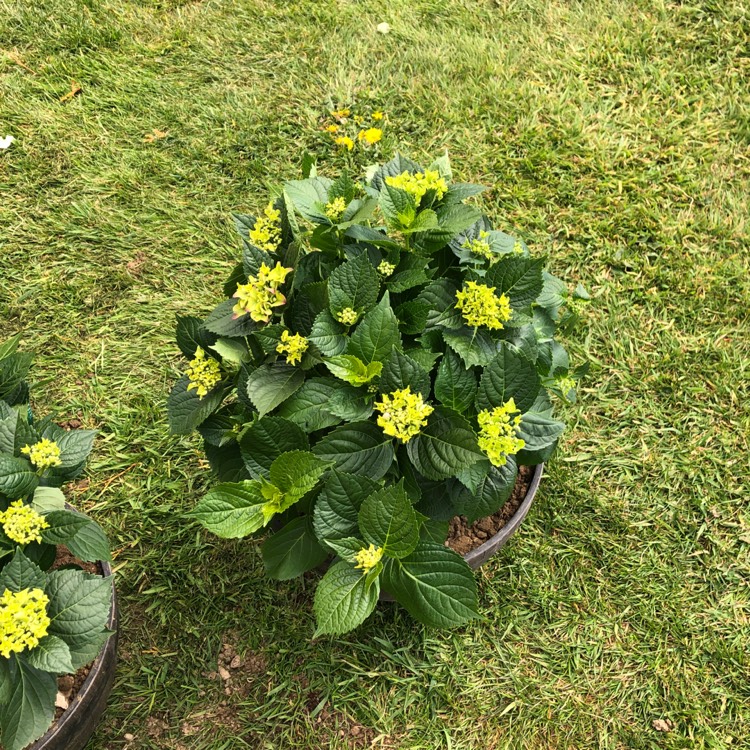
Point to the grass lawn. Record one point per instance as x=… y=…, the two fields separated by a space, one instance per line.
x=616 y=136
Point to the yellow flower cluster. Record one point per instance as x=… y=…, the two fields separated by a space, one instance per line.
x=368 y=558
x=293 y=345
x=565 y=384
x=44 y=455
x=497 y=432
x=345 y=136
x=480 y=246
x=403 y=414
x=385 y=268
x=261 y=293
x=23 y=620
x=418 y=184
x=480 y=306
x=266 y=232
x=22 y=524
x=203 y=372
x=370 y=136
x=335 y=208
x=347 y=316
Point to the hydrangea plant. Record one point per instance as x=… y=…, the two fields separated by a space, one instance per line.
x=382 y=360
x=52 y=622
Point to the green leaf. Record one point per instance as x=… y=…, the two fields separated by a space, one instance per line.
x=309 y=407
x=222 y=321
x=48 y=498
x=400 y=371
x=9 y=346
x=269 y=336
x=491 y=493
x=232 y=510
x=343 y=600
x=6 y=681
x=460 y=191
x=191 y=334
x=540 y=434
x=51 y=654
x=440 y=297
x=474 y=345
x=90 y=543
x=20 y=573
x=446 y=446
x=271 y=384
x=292 y=551
x=310 y=197
x=398 y=206
x=434 y=584
x=453 y=219
x=509 y=375
x=358 y=448
x=187 y=410
x=455 y=385
x=296 y=473
x=352 y=404
x=517 y=277
x=327 y=335
x=17 y=477
x=336 y=511
x=352 y=369
x=30 y=708
x=265 y=440
x=354 y=284
x=75 y=446
x=13 y=370
x=63 y=525
x=83 y=650
x=387 y=519
x=79 y=603
x=377 y=334
x=231 y=351
x=434 y=531
x=401 y=282
x=346 y=548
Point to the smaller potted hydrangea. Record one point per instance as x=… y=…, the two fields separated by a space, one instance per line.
x=57 y=606
x=382 y=368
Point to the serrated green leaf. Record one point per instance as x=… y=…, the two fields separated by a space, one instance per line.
x=336 y=511
x=222 y=321
x=387 y=519
x=517 y=277
x=309 y=407
x=377 y=334
x=352 y=404
x=30 y=708
x=359 y=447
x=540 y=435
x=434 y=584
x=346 y=548
x=79 y=603
x=232 y=510
x=509 y=375
x=455 y=385
x=90 y=543
x=271 y=384
x=232 y=351
x=399 y=207
x=47 y=499
x=63 y=524
x=327 y=335
x=353 y=284
x=400 y=371
x=20 y=573
x=445 y=446
x=296 y=473
x=75 y=446
x=475 y=346
x=343 y=600
x=187 y=410
x=352 y=369
x=51 y=654
x=310 y=197
x=292 y=551
x=266 y=439
x=491 y=493
x=191 y=334
x=17 y=477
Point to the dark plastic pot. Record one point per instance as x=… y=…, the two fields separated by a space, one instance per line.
x=78 y=722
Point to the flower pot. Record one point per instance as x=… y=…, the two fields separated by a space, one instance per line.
x=78 y=722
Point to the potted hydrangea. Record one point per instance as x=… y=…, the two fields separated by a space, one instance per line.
x=381 y=363
x=56 y=617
